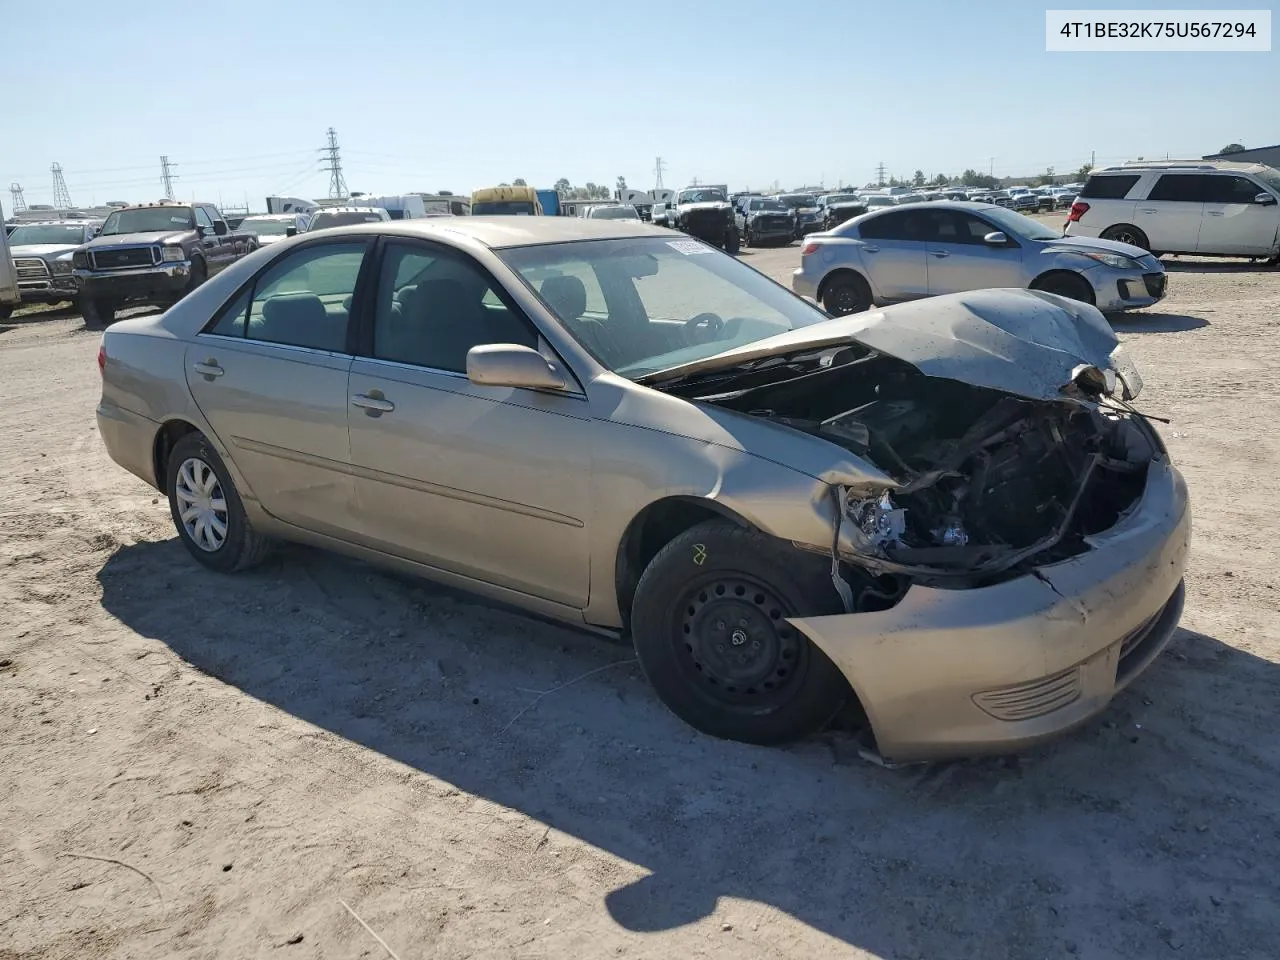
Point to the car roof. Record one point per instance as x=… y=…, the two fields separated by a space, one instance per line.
x=1176 y=166
x=280 y=216
x=498 y=232
x=69 y=222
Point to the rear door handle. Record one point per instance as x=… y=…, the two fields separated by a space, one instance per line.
x=1216 y=213
x=940 y=253
x=1146 y=210
x=372 y=405
x=871 y=249
x=208 y=369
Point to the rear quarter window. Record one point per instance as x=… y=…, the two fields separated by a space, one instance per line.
x=1110 y=187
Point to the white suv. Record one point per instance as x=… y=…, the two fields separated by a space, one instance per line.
x=1211 y=208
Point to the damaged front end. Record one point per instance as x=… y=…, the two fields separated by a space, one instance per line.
x=1001 y=417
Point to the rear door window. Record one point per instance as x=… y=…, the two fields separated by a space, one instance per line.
x=1181 y=188
x=1109 y=187
x=906 y=225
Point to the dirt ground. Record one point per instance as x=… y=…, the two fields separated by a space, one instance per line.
x=201 y=766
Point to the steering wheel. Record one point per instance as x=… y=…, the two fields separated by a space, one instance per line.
x=703 y=328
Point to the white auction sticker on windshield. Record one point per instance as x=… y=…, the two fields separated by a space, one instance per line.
x=688 y=247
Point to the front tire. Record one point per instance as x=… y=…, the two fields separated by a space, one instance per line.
x=199 y=274
x=1069 y=285
x=207 y=510
x=98 y=312
x=710 y=632
x=732 y=242
x=845 y=294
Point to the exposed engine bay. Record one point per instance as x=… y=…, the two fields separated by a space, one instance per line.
x=989 y=484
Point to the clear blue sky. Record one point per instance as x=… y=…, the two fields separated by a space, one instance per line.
x=430 y=96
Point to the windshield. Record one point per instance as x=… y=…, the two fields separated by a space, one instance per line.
x=147 y=220
x=1271 y=177
x=843 y=198
x=265 y=227
x=795 y=201
x=648 y=304
x=1016 y=223
x=766 y=205
x=505 y=208
x=344 y=218
x=614 y=213
x=880 y=201
x=700 y=196
x=67 y=234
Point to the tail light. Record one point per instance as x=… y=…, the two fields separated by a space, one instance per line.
x=102 y=359
x=1078 y=210
x=809 y=248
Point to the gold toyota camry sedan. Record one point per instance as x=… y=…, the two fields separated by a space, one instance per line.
x=946 y=513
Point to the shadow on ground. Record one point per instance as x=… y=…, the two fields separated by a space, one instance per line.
x=1156 y=323
x=1217 y=266
x=1151 y=829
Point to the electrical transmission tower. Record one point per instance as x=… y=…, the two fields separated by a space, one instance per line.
x=880 y=174
x=19 y=201
x=658 y=167
x=61 y=195
x=168 y=176
x=333 y=161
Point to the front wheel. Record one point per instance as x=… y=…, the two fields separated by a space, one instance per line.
x=1069 y=285
x=6 y=310
x=98 y=312
x=199 y=274
x=732 y=242
x=709 y=623
x=207 y=509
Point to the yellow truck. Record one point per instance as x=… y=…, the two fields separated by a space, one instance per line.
x=506 y=201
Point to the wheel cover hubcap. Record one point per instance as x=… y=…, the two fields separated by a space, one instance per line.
x=202 y=508
x=736 y=641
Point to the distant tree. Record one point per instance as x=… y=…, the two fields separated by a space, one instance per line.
x=1083 y=172
x=917 y=180
x=941 y=180
x=1232 y=148
x=895 y=182
x=504 y=184
x=591 y=190
x=445 y=193
x=1046 y=178
x=622 y=184
x=563 y=186
x=519 y=182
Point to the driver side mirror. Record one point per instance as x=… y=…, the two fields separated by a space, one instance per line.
x=290 y=231
x=996 y=239
x=1266 y=199
x=220 y=228
x=511 y=365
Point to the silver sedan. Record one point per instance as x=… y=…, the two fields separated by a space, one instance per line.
x=951 y=247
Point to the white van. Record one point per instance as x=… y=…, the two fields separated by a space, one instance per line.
x=1210 y=208
x=10 y=298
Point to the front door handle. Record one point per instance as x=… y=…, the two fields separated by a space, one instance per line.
x=871 y=249
x=1216 y=213
x=940 y=253
x=372 y=405
x=1146 y=210
x=209 y=369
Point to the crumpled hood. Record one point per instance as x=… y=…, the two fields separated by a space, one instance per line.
x=45 y=251
x=1024 y=342
x=138 y=239
x=705 y=205
x=1098 y=245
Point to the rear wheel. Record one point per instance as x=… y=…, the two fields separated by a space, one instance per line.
x=746 y=236
x=710 y=632
x=1069 y=285
x=846 y=293
x=6 y=310
x=1127 y=233
x=207 y=509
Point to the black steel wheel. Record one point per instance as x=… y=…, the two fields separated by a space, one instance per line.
x=846 y=293
x=709 y=624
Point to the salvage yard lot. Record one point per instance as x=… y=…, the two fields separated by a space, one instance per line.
x=250 y=750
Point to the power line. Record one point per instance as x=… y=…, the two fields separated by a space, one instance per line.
x=61 y=195
x=337 y=183
x=167 y=176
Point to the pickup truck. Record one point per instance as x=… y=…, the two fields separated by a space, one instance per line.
x=705 y=212
x=153 y=253
x=42 y=253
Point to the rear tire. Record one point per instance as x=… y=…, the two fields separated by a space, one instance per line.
x=710 y=633
x=98 y=312
x=6 y=310
x=216 y=530
x=1127 y=233
x=845 y=294
x=1069 y=285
